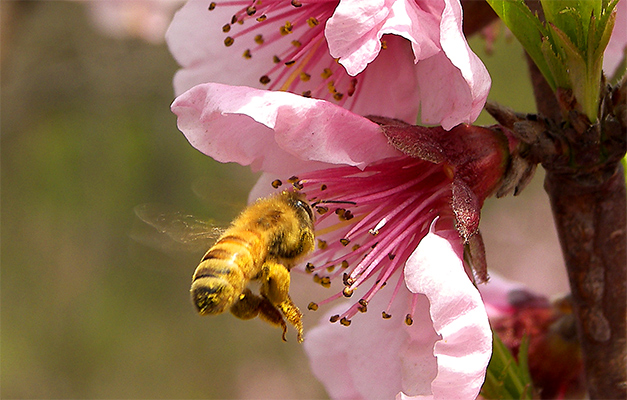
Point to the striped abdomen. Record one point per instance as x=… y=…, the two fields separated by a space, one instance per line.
x=226 y=269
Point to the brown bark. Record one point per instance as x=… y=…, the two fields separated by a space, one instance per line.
x=590 y=222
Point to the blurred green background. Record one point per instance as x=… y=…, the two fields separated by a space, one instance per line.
x=88 y=312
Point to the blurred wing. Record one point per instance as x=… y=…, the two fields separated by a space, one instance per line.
x=193 y=233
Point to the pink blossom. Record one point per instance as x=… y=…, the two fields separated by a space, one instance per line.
x=417 y=59
x=145 y=19
x=388 y=231
x=617 y=47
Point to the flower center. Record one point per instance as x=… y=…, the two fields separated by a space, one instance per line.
x=369 y=222
x=292 y=33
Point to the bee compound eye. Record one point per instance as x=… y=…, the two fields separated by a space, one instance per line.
x=211 y=296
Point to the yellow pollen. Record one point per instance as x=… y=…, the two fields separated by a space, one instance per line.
x=296 y=43
x=322 y=244
x=384 y=45
x=259 y=39
x=326 y=73
x=286 y=29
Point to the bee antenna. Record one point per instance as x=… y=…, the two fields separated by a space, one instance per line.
x=332 y=202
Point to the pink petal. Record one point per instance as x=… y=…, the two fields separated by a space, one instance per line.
x=195 y=39
x=375 y=358
x=457 y=311
x=475 y=75
x=276 y=131
x=354 y=31
x=616 y=48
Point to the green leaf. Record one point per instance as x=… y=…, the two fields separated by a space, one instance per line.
x=528 y=29
x=505 y=378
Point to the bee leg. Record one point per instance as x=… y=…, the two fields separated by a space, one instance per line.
x=275 y=287
x=250 y=306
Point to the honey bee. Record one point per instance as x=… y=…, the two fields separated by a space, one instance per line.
x=261 y=245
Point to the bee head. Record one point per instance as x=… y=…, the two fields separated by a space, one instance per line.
x=212 y=296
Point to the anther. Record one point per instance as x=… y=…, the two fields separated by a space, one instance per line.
x=312 y=22
x=290 y=63
x=212 y=6
x=322 y=210
x=228 y=41
x=386 y=315
x=226 y=28
x=334 y=318
x=261 y=18
x=293 y=179
x=276 y=59
x=348 y=215
x=276 y=183
x=345 y=321
x=391 y=256
x=264 y=80
x=363 y=305
x=305 y=76
x=323 y=187
x=344 y=264
x=247 y=54
x=233 y=19
x=296 y=43
x=384 y=45
x=355 y=247
x=326 y=73
x=338 y=96
x=312 y=306
x=259 y=39
x=345 y=241
x=322 y=244
x=286 y=29
x=330 y=268
x=347 y=292
x=309 y=268
x=325 y=282
x=409 y=320
x=251 y=11
x=296 y=3
x=307 y=94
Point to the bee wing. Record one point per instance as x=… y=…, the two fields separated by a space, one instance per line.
x=191 y=233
